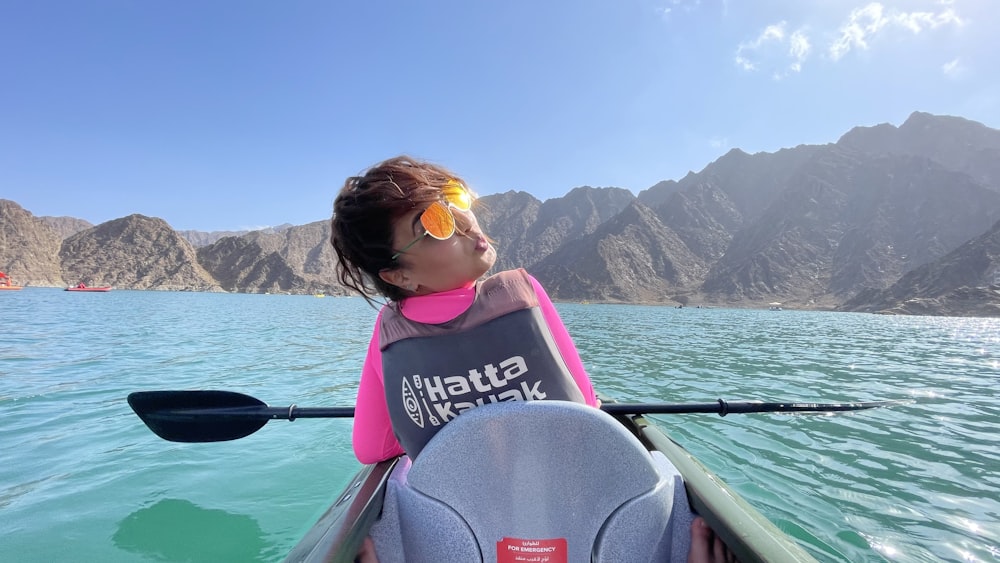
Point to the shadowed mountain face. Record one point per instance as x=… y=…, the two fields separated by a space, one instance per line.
x=847 y=222
x=295 y=259
x=506 y=218
x=527 y=230
x=965 y=282
x=633 y=257
x=953 y=142
x=819 y=226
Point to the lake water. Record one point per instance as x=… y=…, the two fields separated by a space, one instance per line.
x=82 y=479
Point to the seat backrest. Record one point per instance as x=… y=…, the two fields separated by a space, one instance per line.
x=552 y=479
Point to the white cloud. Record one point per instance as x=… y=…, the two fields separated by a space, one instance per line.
x=866 y=22
x=799 y=48
x=669 y=7
x=774 y=42
x=718 y=142
x=746 y=50
x=782 y=53
x=862 y=24
x=918 y=21
x=953 y=68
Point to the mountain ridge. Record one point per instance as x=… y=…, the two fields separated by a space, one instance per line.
x=815 y=226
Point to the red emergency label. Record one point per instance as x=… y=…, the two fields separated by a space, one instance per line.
x=518 y=550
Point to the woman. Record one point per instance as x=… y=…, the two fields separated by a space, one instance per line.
x=447 y=339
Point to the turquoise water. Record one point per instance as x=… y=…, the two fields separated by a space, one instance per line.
x=82 y=479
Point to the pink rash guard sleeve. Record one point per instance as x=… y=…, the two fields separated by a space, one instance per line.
x=565 y=343
x=372 y=437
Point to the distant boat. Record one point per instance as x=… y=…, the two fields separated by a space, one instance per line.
x=6 y=283
x=84 y=287
x=774 y=306
x=319 y=295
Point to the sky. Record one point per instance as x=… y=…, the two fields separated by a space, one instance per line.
x=243 y=114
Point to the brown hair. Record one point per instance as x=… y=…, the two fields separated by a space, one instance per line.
x=364 y=213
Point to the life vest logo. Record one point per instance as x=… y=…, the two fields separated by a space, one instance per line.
x=443 y=398
x=410 y=404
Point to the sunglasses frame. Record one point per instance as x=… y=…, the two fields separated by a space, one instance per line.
x=465 y=197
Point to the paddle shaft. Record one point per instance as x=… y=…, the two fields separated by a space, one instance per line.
x=270 y=413
x=720 y=407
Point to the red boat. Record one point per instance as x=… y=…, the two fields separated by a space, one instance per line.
x=84 y=287
x=6 y=283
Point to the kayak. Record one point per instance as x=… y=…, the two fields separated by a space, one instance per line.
x=541 y=481
x=535 y=481
x=92 y=289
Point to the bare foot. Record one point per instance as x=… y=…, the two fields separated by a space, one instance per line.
x=706 y=547
x=367 y=553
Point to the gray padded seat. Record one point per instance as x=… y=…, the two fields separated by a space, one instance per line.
x=479 y=488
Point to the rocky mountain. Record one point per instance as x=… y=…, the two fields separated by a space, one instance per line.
x=749 y=182
x=136 y=252
x=953 y=142
x=201 y=238
x=506 y=218
x=848 y=221
x=29 y=247
x=294 y=259
x=66 y=226
x=704 y=217
x=964 y=282
x=632 y=257
x=527 y=230
x=815 y=226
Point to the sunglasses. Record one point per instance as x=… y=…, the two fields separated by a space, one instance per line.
x=438 y=220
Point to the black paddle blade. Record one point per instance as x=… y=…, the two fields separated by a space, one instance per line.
x=199 y=416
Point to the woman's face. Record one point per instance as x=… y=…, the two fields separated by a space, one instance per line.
x=433 y=265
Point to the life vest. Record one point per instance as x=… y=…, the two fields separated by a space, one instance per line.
x=499 y=349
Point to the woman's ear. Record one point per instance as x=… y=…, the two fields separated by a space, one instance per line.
x=396 y=277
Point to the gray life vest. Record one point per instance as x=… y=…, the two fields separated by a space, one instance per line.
x=499 y=349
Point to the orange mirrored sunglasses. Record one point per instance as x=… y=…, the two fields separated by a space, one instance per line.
x=437 y=220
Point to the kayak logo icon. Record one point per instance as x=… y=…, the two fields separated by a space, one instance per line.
x=434 y=400
x=411 y=405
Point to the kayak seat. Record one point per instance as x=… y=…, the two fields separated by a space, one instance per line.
x=534 y=481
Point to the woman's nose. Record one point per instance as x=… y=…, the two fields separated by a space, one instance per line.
x=465 y=221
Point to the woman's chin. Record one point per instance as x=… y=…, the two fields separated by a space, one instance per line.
x=489 y=257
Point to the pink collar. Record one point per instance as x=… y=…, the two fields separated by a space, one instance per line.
x=439 y=307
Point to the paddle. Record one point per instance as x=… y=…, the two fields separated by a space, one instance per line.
x=217 y=416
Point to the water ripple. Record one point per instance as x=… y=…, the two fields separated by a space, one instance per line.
x=916 y=482
x=87 y=481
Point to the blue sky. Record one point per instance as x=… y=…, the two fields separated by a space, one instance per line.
x=223 y=115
